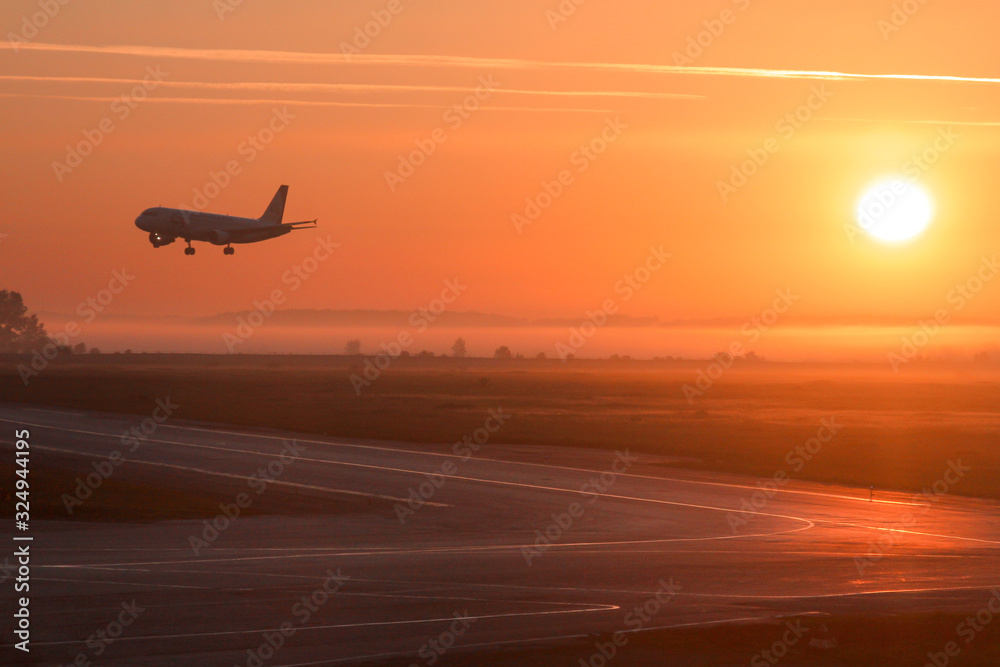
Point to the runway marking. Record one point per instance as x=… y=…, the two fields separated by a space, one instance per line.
x=489 y=460
x=229 y=633
x=542 y=639
x=682 y=593
x=506 y=483
x=570 y=548
x=589 y=590
x=435 y=550
x=892 y=591
x=488 y=481
x=58 y=412
x=809 y=523
x=128 y=583
x=537 y=465
x=232 y=450
x=442 y=586
x=904 y=530
x=270 y=482
x=759 y=553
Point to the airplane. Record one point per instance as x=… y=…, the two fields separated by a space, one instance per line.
x=166 y=225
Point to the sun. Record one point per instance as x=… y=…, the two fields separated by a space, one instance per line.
x=895 y=210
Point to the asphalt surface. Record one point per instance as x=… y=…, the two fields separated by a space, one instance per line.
x=470 y=568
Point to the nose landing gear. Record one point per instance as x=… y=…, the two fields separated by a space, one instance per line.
x=229 y=250
x=188 y=250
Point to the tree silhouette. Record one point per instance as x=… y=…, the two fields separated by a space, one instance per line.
x=353 y=348
x=503 y=352
x=19 y=331
x=458 y=350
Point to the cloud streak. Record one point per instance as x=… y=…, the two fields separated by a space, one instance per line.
x=453 y=62
x=315 y=103
x=353 y=88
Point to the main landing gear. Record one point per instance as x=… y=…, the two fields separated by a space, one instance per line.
x=229 y=250
x=189 y=250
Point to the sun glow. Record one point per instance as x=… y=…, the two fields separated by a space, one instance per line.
x=895 y=210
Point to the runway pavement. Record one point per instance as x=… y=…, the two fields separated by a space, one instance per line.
x=431 y=551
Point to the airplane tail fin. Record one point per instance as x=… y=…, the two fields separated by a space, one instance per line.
x=276 y=211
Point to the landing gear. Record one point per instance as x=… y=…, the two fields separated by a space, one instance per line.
x=229 y=250
x=189 y=250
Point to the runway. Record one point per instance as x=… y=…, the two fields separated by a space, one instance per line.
x=431 y=551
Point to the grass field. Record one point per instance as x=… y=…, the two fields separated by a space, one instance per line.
x=894 y=431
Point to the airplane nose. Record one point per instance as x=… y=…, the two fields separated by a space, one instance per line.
x=141 y=223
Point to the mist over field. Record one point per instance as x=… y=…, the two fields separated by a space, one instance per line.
x=327 y=332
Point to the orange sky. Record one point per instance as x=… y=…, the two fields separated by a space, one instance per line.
x=656 y=185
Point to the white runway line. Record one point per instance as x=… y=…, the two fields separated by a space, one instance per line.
x=480 y=480
x=270 y=482
x=342 y=626
x=514 y=463
x=441 y=591
x=539 y=640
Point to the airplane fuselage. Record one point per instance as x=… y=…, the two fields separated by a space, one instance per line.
x=172 y=223
x=166 y=225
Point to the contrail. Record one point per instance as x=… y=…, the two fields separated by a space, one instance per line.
x=355 y=88
x=305 y=58
x=314 y=103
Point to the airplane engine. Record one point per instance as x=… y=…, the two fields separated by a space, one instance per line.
x=159 y=240
x=219 y=237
